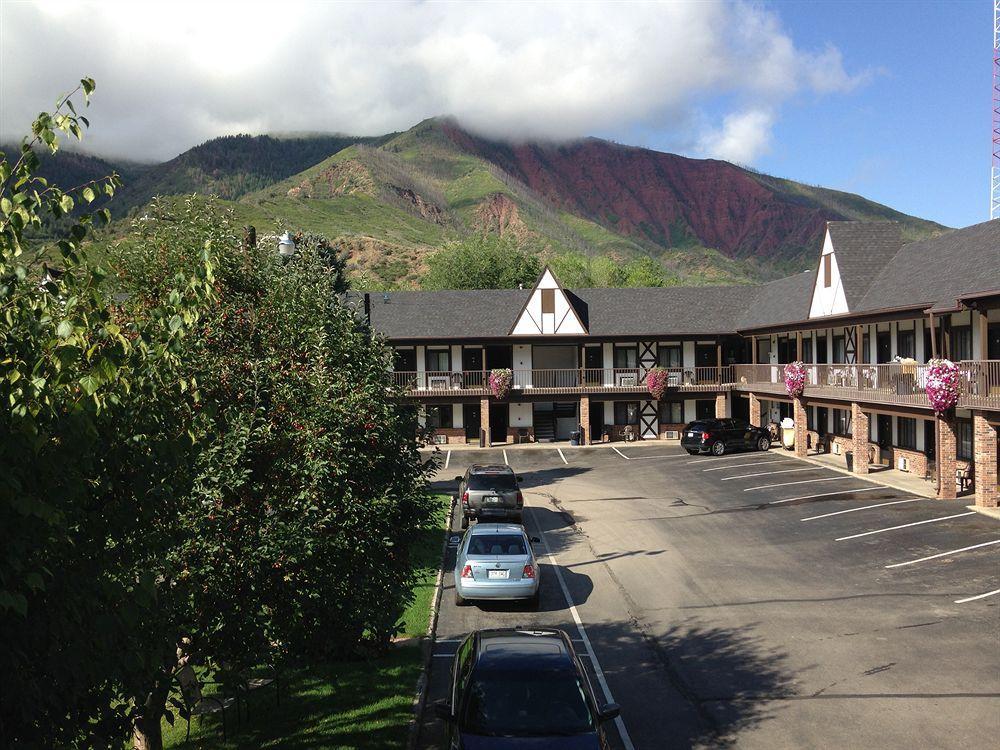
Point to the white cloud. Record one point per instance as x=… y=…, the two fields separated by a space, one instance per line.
x=171 y=75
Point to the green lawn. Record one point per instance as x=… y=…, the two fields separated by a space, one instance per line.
x=363 y=704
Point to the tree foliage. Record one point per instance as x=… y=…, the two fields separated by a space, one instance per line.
x=482 y=261
x=200 y=449
x=576 y=270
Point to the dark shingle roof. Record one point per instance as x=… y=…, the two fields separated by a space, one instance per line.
x=862 y=249
x=937 y=271
x=783 y=301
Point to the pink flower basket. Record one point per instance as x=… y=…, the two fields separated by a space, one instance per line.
x=942 y=385
x=656 y=382
x=500 y=382
x=795 y=378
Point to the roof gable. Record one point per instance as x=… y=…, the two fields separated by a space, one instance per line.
x=548 y=311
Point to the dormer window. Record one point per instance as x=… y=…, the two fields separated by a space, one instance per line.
x=827 y=270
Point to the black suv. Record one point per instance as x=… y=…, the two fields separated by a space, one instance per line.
x=517 y=688
x=718 y=436
x=490 y=492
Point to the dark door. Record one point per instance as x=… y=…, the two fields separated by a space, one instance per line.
x=821 y=358
x=499 y=357
x=930 y=433
x=704 y=355
x=596 y=425
x=883 y=347
x=593 y=361
x=498 y=423
x=704 y=409
x=471 y=419
x=741 y=409
x=822 y=420
x=472 y=365
x=884 y=422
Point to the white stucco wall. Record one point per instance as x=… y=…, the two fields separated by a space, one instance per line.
x=828 y=300
x=521 y=415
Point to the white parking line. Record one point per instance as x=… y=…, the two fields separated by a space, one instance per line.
x=979 y=596
x=767 y=473
x=620 y=453
x=855 y=510
x=786 y=484
x=447 y=459
x=943 y=554
x=904 y=526
x=562 y=456
x=505 y=457
x=721 y=458
x=589 y=649
x=663 y=455
x=755 y=463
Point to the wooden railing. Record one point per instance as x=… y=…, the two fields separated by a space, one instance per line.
x=584 y=379
x=980 y=388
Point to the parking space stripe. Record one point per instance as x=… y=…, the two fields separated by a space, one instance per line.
x=978 y=596
x=721 y=458
x=943 y=554
x=447 y=459
x=664 y=455
x=505 y=460
x=589 y=649
x=767 y=473
x=755 y=463
x=620 y=453
x=904 y=526
x=562 y=456
x=855 y=510
x=788 y=484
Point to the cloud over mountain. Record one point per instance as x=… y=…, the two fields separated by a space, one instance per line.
x=709 y=77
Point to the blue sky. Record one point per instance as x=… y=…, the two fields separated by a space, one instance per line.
x=887 y=99
x=917 y=136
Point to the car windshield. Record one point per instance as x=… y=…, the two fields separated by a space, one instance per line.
x=499 y=482
x=497 y=544
x=702 y=425
x=526 y=704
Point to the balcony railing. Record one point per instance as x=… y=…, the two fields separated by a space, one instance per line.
x=896 y=383
x=576 y=380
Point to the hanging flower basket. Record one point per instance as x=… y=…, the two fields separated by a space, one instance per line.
x=942 y=385
x=795 y=379
x=500 y=381
x=656 y=382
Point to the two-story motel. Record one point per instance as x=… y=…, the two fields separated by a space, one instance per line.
x=579 y=357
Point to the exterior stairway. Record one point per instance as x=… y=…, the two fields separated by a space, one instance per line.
x=545 y=427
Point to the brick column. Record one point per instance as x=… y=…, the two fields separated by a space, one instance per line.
x=585 y=420
x=720 y=406
x=755 y=418
x=984 y=440
x=484 y=421
x=947 y=457
x=801 y=428
x=859 y=439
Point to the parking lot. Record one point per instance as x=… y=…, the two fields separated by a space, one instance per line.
x=752 y=600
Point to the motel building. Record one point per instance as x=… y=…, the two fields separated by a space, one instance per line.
x=865 y=322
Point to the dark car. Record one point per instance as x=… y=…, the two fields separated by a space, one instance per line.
x=718 y=436
x=489 y=492
x=514 y=688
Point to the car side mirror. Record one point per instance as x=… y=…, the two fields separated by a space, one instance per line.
x=458 y=479
x=442 y=710
x=608 y=712
x=535 y=540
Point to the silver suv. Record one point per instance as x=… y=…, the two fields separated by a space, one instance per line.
x=490 y=492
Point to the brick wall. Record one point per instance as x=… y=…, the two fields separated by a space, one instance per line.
x=946 y=456
x=984 y=441
x=664 y=426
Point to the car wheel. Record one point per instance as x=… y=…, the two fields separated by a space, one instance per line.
x=718 y=448
x=764 y=443
x=460 y=601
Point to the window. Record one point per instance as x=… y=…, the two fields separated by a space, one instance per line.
x=626 y=412
x=907 y=428
x=841 y=422
x=548 y=300
x=439 y=416
x=763 y=351
x=839 y=350
x=438 y=360
x=672 y=412
x=505 y=482
x=827 y=270
x=906 y=344
x=670 y=356
x=963 y=439
x=488 y=545
x=626 y=357
x=961 y=343
x=866 y=348
x=807 y=349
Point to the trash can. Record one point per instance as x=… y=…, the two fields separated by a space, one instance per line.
x=849 y=457
x=574 y=437
x=788 y=433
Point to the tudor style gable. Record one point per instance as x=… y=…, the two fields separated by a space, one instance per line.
x=828 y=297
x=548 y=311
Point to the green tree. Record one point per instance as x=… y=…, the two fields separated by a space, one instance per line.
x=572 y=269
x=483 y=261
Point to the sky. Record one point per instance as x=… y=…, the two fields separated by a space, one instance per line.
x=887 y=99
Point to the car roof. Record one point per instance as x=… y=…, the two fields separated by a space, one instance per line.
x=496 y=528
x=490 y=469
x=524 y=648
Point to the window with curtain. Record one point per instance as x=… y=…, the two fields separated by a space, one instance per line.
x=672 y=412
x=626 y=412
x=439 y=417
x=963 y=436
x=841 y=422
x=906 y=429
x=961 y=343
x=670 y=356
x=906 y=344
x=839 y=350
x=626 y=357
x=437 y=360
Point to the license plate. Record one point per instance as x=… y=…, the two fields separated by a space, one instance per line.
x=498 y=574
x=491 y=499
x=690 y=434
